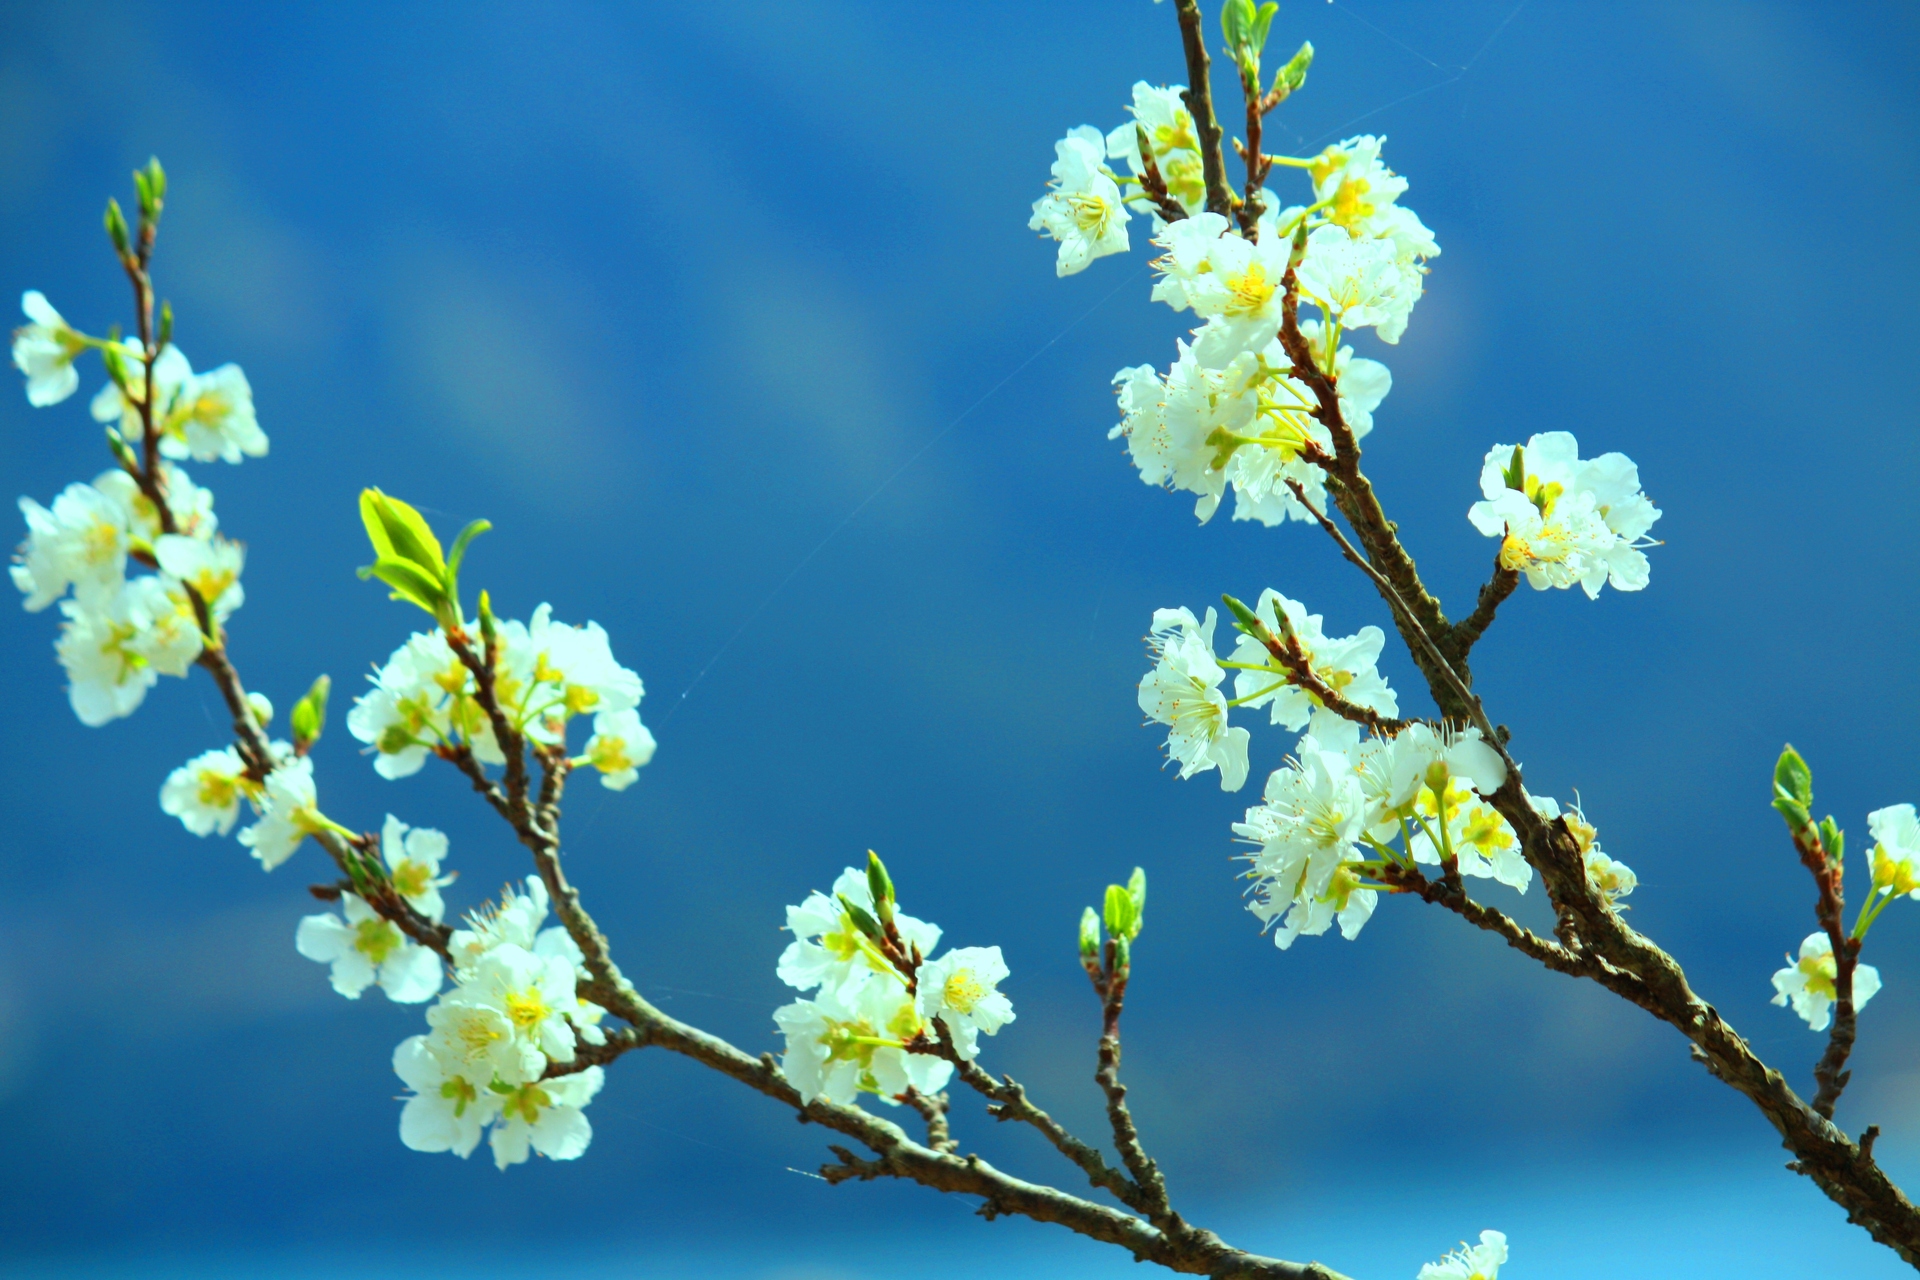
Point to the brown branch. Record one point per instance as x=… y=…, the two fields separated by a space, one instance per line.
x=1292 y=655
x=1257 y=164
x=1126 y=1138
x=1831 y=1073
x=1199 y=100
x=933 y=1109
x=1493 y=593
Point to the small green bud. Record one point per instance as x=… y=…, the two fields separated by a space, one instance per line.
x=1122 y=912
x=1516 y=476
x=1291 y=78
x=1792 y=778
x=1798 y=819
x=861 y=920
x=1137 y=890
x=1122 y=957
x=309 y=715
x=488 y=631
x=1298 y=252
x=1089 y=934
x=150 y=184
x=880 y=886
x=117 y=227
x=122 y=451
x=1245 y=619
x=115 y=360
x=262 y=709
x=165 y=334
x=1833 y=840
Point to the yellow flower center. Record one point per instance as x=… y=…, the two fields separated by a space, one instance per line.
x=1898 y=875
x=1350 y=205
x=460 y=1092
x=1250 y=292
x=218 y=790
x=1819 y=972
x=376 y=939
x=1091 y=213
x=412 y=878
x=526 y=1009
x=962 y=991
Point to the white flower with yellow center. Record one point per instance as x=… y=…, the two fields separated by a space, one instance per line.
x=114 y=653
x=839 y=1048
x=448 y=1109
x=829 y=951
x=1238 y=291
x=1183 y=693
x=477 y=1039
x=546 y=1116
x=190 y=505
x=210 y=566
x=1471 y=1262
x=211 y=418
x=364 y=949
x=1358 y=283
x=535 y=992
x=1481 y=842
x=81 y=540
x=289 y=813
x=514 y=921
x=1188 y=243
x=1083 y=210
x=1314 y=813
x=1176 y=147
x=413 y=856
x=1345 y=664
x=44 y=349
x=421 y=699
x=1570 y=520
x=961 y=989
x=1610 y=879
x=620 y=745
x=1896 y=850
x=1807 y=983
x=205 y=792
x=555 y=671
x=1182 y=431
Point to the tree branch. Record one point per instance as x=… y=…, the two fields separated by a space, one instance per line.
x=1199 y=100
x=1467 y=632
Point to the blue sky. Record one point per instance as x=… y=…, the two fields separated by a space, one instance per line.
x=729 y=320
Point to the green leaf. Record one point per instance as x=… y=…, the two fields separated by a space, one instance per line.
x=408 y=583
x=1137 y=887
x=1792 y=778
x=1089 y=933
x=1833 y=839
x=1798 y=819
x=1261 y=21
x=1516 y=476
x=1236 y=23
x=116 y=223
x=398 y=532
x=459 y=551
x=1292 y=77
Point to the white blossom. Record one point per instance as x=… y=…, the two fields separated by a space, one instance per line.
x=448 y=1109
x=205 y=792
x=172 y=375
x=289 y=813
x=1083 y=208
x=1573 y=520
x=413 y=856
x=1610 y=879
x=1481 y=841
x=545 y=1116
x=1808 y=982
x=1362 y=383
x=364 y=948
x=44 y=350
x=1358 y=283
x=211 y=566
x=213 y=419
x=838 y=1048
x=1896 y=850
x=829 y=951
x=114 y=653
x=1188 y=243
x=1183 y=692
x=1471 y=1262
x=1313 y=815
x=1162 y=112
x=619 y=746
x=535 y=992
x=515 y=921
x=1344 y=664
x=477 y=1039
x=961 y=989
x=418 y=696
x=1238 y=291
x=82 y=540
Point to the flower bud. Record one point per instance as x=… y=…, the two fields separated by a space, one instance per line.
x=1292 y=78
x=262 y=709
x=309 y=715
x=116 y=227
x=880 y=886
x=861 y=920
x=1089 y=934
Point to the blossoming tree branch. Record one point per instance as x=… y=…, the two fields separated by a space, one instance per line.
x=1266 y=400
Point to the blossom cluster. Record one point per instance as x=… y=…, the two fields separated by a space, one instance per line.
x=424 y=699
x=1562 y=520
x=873 y=1022
x=123 y=630
x=1344 y=807
x=1471 y=1262
x=500 y=1045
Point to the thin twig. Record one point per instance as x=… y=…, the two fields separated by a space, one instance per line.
x=1199 y=100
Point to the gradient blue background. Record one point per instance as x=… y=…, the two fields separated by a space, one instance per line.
x=727 y=316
